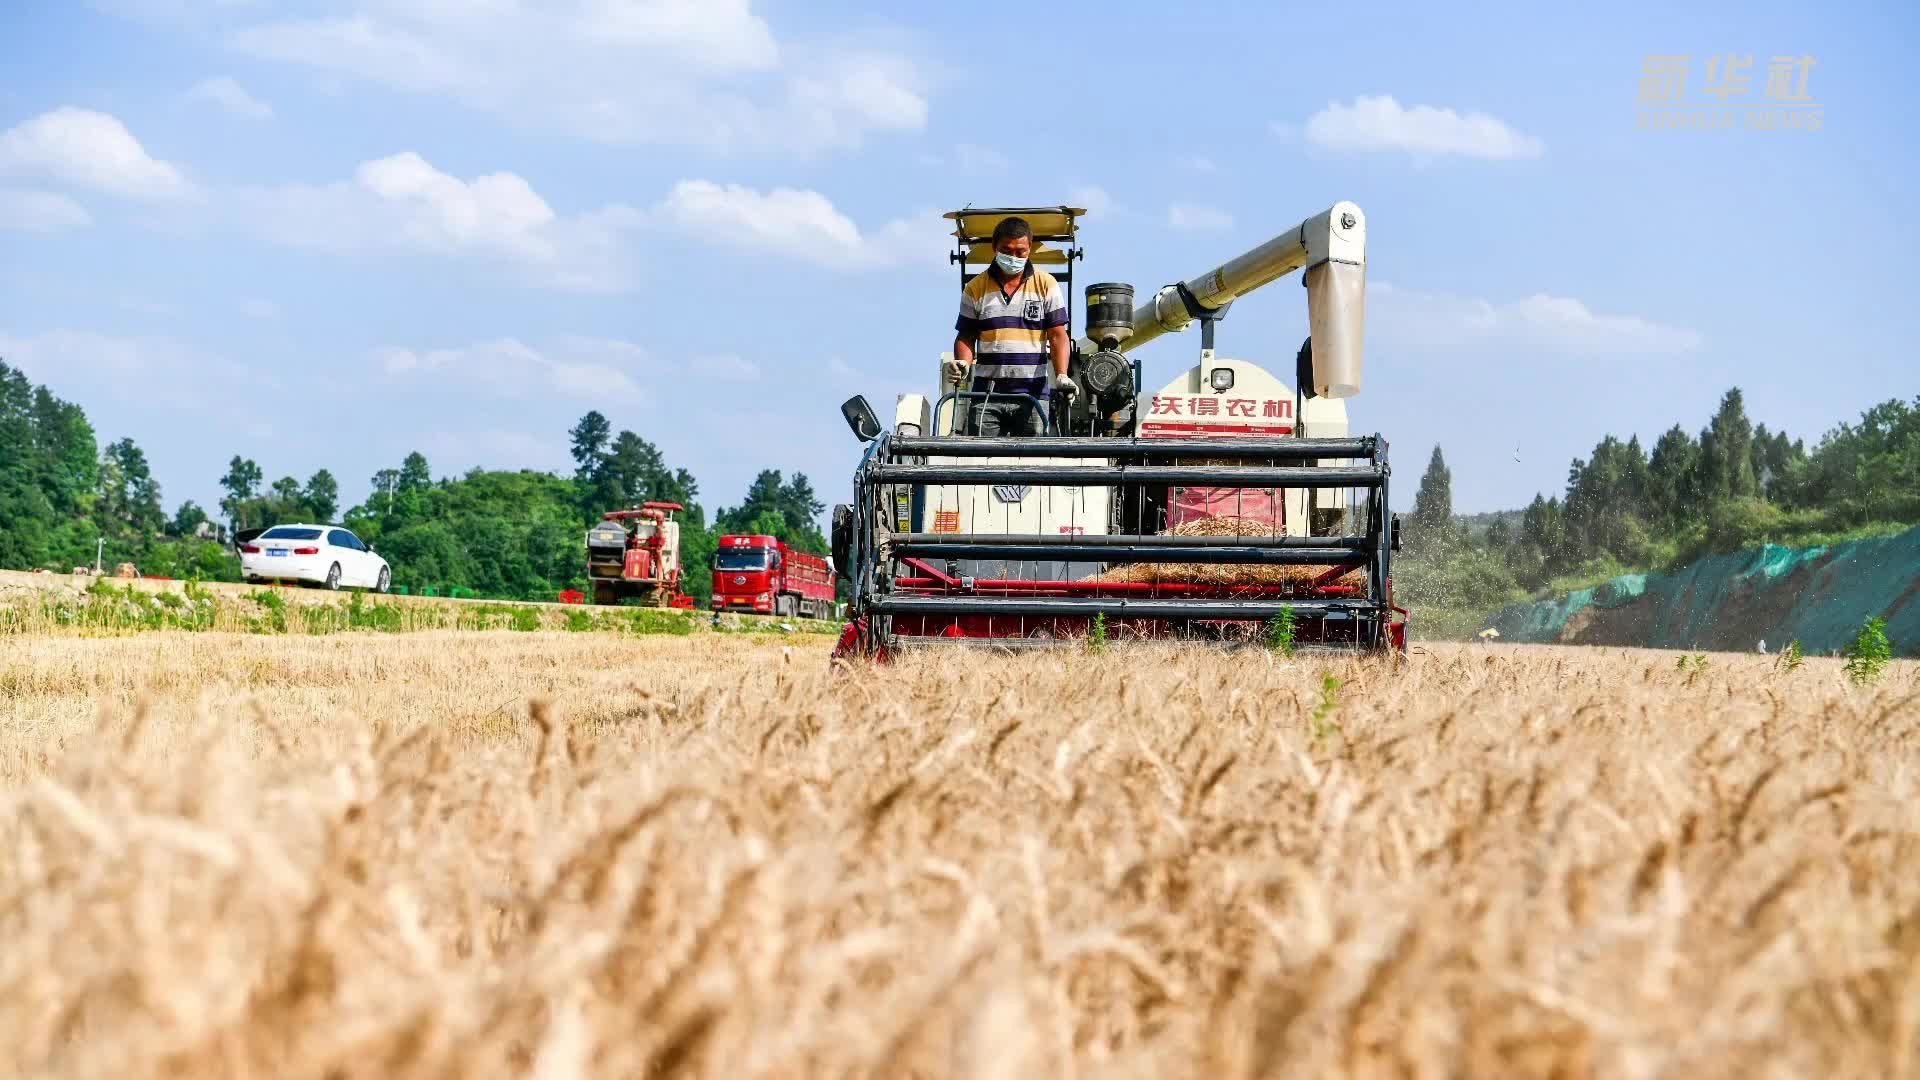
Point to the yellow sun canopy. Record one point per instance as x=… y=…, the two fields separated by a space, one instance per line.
x=974 y=225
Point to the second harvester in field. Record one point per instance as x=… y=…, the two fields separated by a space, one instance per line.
x=635 y=554
x=1211 y=508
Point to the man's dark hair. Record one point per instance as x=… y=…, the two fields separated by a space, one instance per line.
x=1012 y=228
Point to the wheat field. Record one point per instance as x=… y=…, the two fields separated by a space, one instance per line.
x=490 y=854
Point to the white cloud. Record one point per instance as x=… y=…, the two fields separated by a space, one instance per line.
x=357 y=46
x=402 y=203
x=973 y=158
x=1542 y=323
x=88 y=149
x=154 y=371
x=222 y=91
x=40 y=211
x=797 y=224
x=1373 y=124
x=1094 y=200
x=576 y=367
x=1192 y=216
x=707 y=73
x=727 y=367
x=792 y=222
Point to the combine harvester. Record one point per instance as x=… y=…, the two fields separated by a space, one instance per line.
x=635 y=553
x=1212 y=508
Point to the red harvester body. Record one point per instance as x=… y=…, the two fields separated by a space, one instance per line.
x=636 y=553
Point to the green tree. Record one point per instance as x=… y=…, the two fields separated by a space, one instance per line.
x=414 y=473
x=1433 y=503
x=63 y=449
x=186 y=520
x=1605 y=503
x=129 y=502
x=383 y=483
x=1673 y=477
x=322 y=496
x=1726 y=450
x=778 y=507
x=589 y=440
x=242 y=484
x=60 y=492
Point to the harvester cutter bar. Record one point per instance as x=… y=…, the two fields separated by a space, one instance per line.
x=1251 y=553
x=1115 y=607
x=1110 y=475
x=904 y=642
x=1262 y=449
x=1355 y=545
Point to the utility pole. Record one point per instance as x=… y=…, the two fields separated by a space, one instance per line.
x=99 y=549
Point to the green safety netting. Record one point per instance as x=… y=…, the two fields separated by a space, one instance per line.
x=1817 y=595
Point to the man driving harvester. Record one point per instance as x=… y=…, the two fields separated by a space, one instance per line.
x=1011 y=337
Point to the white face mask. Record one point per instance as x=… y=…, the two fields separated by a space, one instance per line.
x=1009 y=264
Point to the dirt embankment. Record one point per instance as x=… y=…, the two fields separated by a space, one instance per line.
x=1730 y=614
x=1818 y=596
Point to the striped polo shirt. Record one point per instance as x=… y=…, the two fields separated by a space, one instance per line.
x=1010 y=332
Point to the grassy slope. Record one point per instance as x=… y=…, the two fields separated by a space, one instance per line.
x=48 y=603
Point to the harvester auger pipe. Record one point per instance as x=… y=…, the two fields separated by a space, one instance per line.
x=1331 y=246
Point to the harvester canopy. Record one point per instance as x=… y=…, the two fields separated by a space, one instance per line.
x=1051 y=225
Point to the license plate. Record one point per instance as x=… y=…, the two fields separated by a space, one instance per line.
x=276 y=551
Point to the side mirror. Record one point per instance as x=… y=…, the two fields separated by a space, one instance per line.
x=843 y=541
x=860 y=417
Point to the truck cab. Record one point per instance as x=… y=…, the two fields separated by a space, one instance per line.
x=746 y=573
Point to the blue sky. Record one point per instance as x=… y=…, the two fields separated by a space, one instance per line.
x=328 y=234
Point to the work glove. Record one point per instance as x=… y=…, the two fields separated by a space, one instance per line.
x=1061 y=384
x=956 y=371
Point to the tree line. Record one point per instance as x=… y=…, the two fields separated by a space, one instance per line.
x=518 y=534
x=502 y=534
x=1733 y=485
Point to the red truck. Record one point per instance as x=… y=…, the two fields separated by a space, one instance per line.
x=762 y=575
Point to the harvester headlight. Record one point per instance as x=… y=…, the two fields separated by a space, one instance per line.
x=1221 y=379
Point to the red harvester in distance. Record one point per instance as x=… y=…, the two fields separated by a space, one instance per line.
x=636 y=553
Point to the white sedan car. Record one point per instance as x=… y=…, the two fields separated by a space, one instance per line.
x=319 y=554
